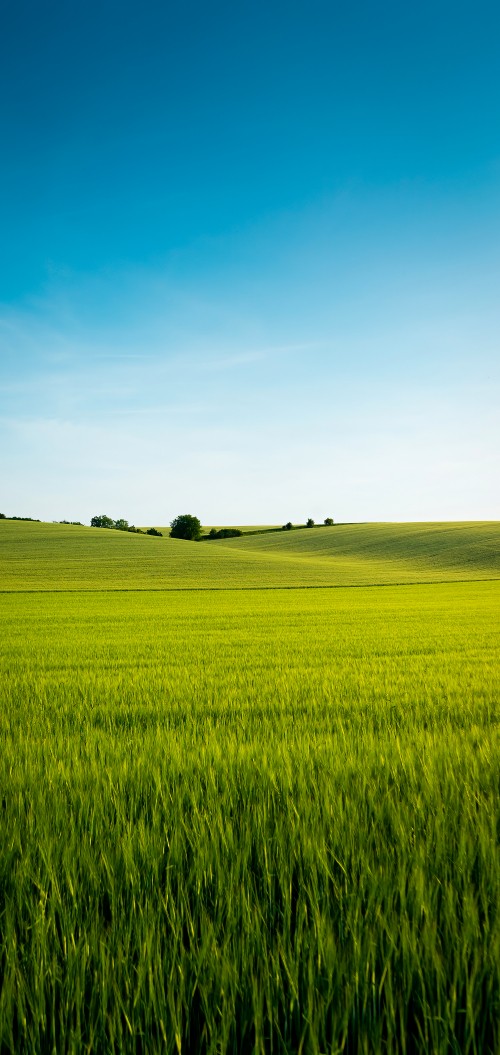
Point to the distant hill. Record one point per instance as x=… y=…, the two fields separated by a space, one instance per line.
x=37 y=556
x=456 y=546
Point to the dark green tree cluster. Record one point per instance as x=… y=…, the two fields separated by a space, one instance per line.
x=102 y=522
x=33 y=520
x=121 y=524
x=186 y=527
x=224 y=533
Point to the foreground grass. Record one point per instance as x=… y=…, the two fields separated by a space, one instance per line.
x=261 y=821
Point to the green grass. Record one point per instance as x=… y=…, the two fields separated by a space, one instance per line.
x=57 y=557
x=249 y=820
x=466 y=546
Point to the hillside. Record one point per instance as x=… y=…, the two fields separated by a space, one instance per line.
x=37 y=556
x=458 y=547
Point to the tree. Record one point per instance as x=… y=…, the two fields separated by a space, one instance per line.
x=288 y=526
x=186 y=527
x=310 y=522
x=121 y=525
x=153 y=531
x=328 y=521
x=102 y=521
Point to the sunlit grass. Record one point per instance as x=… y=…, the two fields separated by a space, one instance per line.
x=250 y=821
x=58 y=557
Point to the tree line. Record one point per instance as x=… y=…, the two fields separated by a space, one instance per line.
x=328 y=522
x=32 y=520
x=184 y=526
x=121 y=524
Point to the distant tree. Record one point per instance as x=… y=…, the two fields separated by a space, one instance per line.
x=121 y=525
x=310 y=522
x=2 y=516
x=288 y=526
x=224 y=533
x=186 y=527
x=153 y=531
x=102 y=522
x=328 y=521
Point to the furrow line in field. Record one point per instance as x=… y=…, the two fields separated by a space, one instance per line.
x=246 y=589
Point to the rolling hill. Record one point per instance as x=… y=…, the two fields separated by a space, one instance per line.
x=36 y=556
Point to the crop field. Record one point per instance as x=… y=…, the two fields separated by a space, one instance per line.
x=57 y=557
x=250 y=817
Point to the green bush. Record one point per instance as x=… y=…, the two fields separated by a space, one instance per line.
x=224 y=533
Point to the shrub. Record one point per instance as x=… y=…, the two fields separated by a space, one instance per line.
x=153 y=531
x=288 y=526
x=225 y=533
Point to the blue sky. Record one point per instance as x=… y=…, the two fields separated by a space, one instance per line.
x=250 y=260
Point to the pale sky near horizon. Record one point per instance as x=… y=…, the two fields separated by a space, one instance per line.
x=250 y=260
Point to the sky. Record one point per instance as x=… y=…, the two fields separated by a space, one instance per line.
x=250 y=260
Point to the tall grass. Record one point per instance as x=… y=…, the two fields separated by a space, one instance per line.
x=261 y=822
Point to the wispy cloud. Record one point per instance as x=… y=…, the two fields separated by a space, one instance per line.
x=162 y=401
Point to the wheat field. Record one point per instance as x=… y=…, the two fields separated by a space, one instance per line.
x=249 y=819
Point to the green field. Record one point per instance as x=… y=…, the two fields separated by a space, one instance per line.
x=57 y=557
x=241 y=816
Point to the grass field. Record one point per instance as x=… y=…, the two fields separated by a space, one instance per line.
x=57 y=557
x=250 y=820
